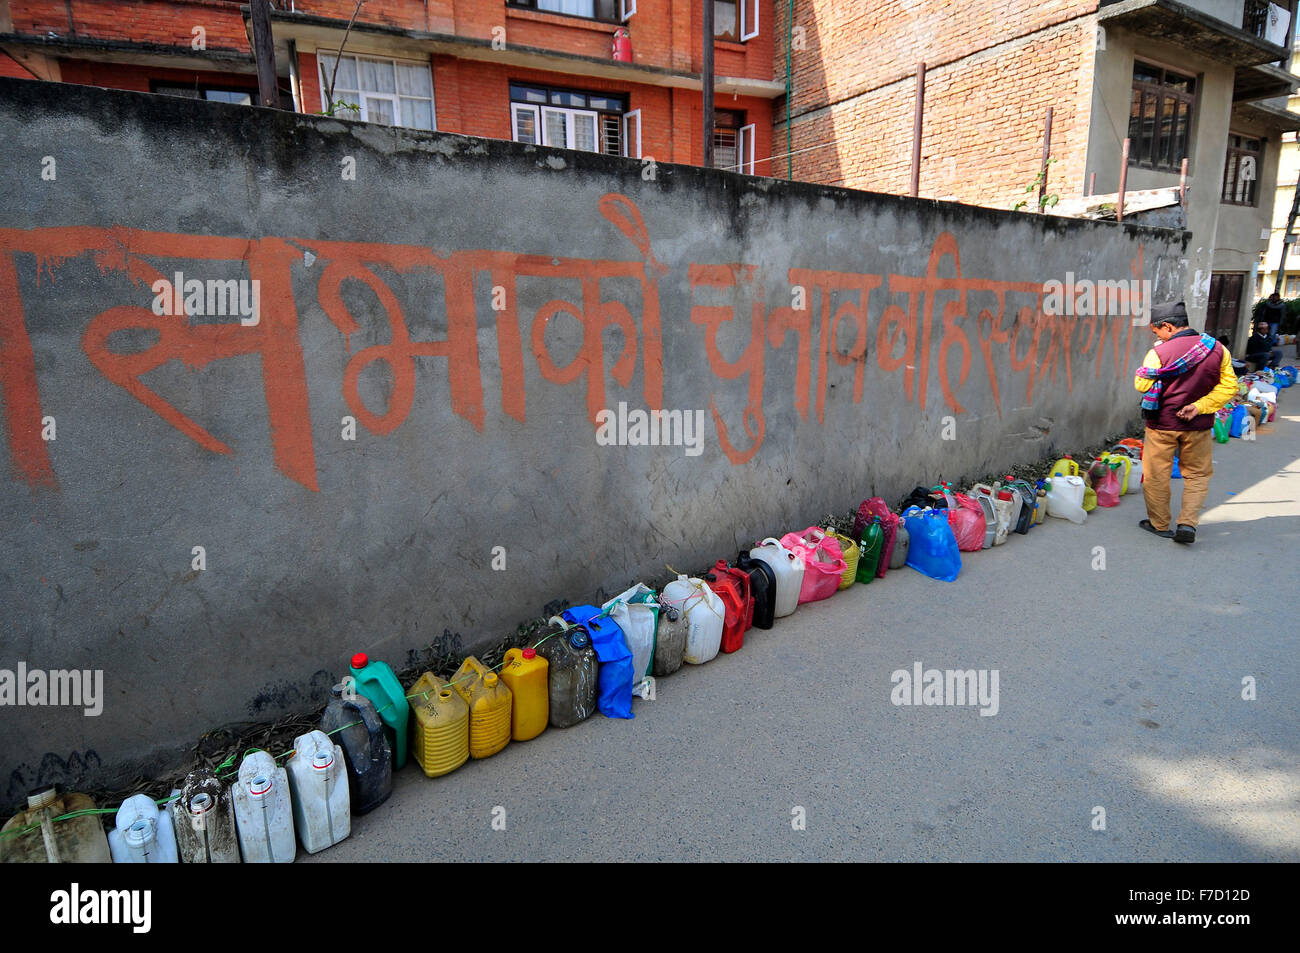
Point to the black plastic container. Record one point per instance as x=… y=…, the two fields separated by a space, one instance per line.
x=365 y=747
x=762 y=583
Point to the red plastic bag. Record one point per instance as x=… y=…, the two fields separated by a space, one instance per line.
x=889 y=521
x=968 y=524
x=1106 y=483
x=823 y=561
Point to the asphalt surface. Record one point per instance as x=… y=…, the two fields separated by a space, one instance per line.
x=1119 y=688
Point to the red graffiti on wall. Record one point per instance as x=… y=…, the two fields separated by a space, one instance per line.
x=915 y=313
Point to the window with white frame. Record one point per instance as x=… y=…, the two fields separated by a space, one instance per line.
x=612 y=11
x=387 y=91
x=733 y=142
x=568 y=119
x=735 y=20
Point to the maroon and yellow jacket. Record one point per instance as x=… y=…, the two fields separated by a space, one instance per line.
x=1209 y=385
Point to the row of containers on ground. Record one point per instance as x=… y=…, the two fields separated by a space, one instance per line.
x=589 y=659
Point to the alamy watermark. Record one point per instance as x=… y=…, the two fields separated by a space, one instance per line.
x=210 y=298
x=36 y=688
x=654 y=428
x=954 y=687
x=1084 y=297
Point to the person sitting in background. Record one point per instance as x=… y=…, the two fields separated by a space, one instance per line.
x=1273 y=312
x=1262 y=349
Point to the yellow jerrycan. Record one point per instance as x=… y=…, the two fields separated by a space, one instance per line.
x=1065 y=467
x=525 y=674
x=441 y=741
x=489 y=704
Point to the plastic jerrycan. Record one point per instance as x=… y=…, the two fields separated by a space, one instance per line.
x=1065 y=498
x=142 y=833
x=670 y=640
x=1002 y=511
x=1040 y=501
x=1065 y=467
x=351 y=720
x=377 y=682
x=78 y=840
x=574 y=670
x=263 y=814
x=762 y=583
x=204 y=819
x=852 y=556
x=983 y=495
x=902 y=543
x=440 y=730
x=322 y=813
x=489 y=704
x=738 y=604
x=1009 y=494
x=704 y=614
x=614 y=682
x=1025 y=509
x=873 y=539
x=525 y=674
x=788 y=569
x=1123 y=462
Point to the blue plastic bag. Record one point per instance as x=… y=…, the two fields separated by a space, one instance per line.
x=1238 y=420
x=1178 y=474
x=932 y=549
x=614 y=680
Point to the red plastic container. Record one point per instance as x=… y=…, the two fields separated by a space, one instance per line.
x=733 y=588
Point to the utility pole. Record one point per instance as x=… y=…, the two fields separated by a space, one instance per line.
x=268 y=90
x=707 y=69
x=1288 y=239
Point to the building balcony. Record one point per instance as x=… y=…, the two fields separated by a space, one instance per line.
x=1185 y=25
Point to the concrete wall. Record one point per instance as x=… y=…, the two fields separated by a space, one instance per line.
x=475 y=427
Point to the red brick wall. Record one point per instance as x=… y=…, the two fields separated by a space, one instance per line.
x=168 y=22
x=993 y=68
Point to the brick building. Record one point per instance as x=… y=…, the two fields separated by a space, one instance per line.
x=1203 y=79
x=531 y=70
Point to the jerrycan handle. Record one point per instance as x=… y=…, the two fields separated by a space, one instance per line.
x=369 y=716
x=771 y=539
x=561 y=622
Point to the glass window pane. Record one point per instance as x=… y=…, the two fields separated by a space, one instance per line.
x=413 y=79
x=1181 y=131
x=347 y=74
x=724 y=20
x=579 y=8
x=417 y=113
x=229 y=96
x=555 y=129
x=526 y=126
x=376 y=76
x=1147 y=150
x=1167 y=113
x=189 y=92
x=379 y=110
x=527 y=94
x=584 y=131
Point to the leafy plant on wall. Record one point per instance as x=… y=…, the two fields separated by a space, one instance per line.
x=1047 y=199
x=331 y=107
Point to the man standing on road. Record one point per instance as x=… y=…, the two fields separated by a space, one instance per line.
x=1273 y=312
x=1185 y=378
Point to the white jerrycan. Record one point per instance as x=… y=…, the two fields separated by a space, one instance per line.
x=1065 y=499
x=319 y=783
x=263 y=814
x=788 y=568
x=143 y=833
x=204 y=816
x=1135 y=477
x=704 y=612
x=983 y=495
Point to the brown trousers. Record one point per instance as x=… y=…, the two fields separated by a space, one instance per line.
x=1195 y=450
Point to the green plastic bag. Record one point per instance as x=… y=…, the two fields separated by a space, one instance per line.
x=1221 y=429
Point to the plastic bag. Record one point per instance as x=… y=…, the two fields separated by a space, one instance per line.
x=614 y=680
x=889 y=521
x=1065 y=499
x=1108 y=485
x=932 y=549
x=1239 y=415
x=636 y=613
x=968 y=523
x=823 y=562
x=1222 y=434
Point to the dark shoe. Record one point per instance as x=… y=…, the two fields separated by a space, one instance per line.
x=1185 y=534
x=1146 y=525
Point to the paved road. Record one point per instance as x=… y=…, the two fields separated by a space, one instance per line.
x=1119 y=689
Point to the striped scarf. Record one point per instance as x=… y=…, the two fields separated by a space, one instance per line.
x=1191 y=357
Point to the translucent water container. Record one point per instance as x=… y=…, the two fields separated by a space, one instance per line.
x=263 y=812
x=76 y=840
x=142 y=833
x=318 y=781
x=788 y=569
x=204 y=818
x=705 y=615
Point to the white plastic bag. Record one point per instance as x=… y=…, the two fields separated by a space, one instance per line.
x=1065 y=499
x=636 y=612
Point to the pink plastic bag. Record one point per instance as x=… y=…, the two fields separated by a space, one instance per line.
x=889 y=521
x=968 y=524
x=823 y=560
x=1106 y=483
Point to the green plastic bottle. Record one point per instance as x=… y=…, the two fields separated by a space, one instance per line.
x=376 y=681
x=873 y=538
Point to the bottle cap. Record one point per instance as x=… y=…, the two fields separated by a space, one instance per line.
x=530 y=653
x=360 y=660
